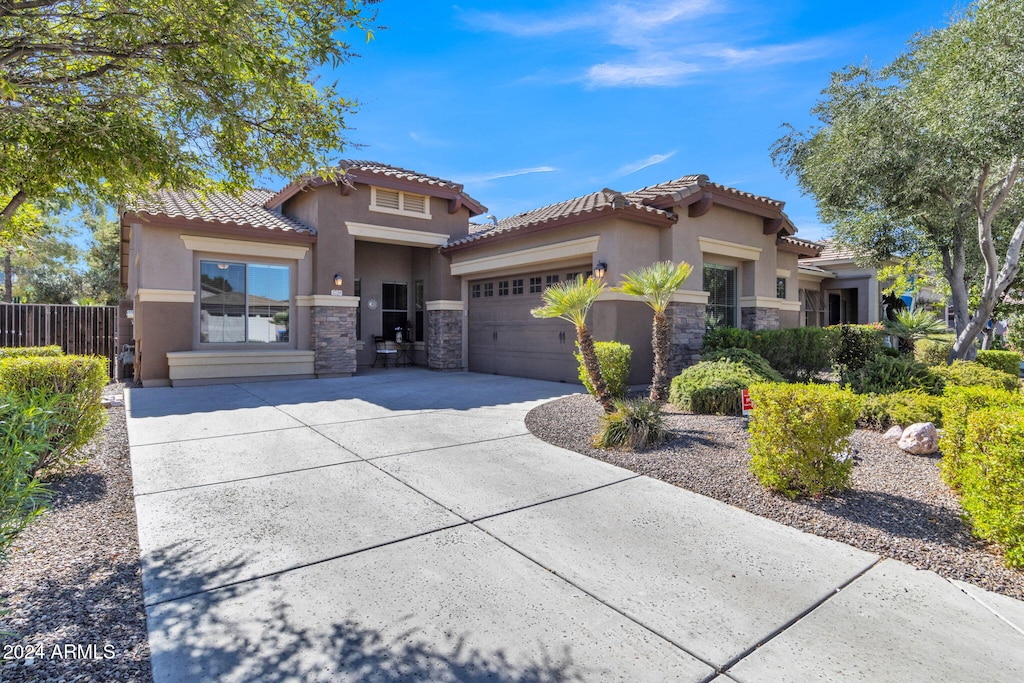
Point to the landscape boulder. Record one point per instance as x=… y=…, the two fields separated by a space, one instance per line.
x=920 y=438
x=894 y=434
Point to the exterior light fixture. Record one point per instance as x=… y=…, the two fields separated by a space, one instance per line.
x=372 y=304
x=600 y=269
x=337 y=280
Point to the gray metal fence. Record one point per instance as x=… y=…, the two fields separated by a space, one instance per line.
x=76 y=329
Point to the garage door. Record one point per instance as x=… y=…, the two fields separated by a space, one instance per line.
x=504 y=339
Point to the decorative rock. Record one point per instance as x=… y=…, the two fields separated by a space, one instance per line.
x=894 y=434
x=920 y=438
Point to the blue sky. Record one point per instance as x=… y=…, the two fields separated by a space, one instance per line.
x=531 y=103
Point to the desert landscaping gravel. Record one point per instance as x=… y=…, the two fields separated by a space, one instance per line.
x=72 y=582
x=898 y=506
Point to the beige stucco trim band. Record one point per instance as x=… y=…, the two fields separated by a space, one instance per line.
x=533 y=256
x=782 y=272
x=306 y=301
x=166 y=296
x=710 y=245
x=402 y=236
x=243 y=247
x=684 y=296
x=769 y=302
x=445 y=305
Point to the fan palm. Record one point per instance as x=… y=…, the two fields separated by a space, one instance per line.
x=909 y=325
x=656 y=284
x=571 y=300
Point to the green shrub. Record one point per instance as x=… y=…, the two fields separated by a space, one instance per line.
x=891 y=352
x=961 y=373
x=932 y=352
x=958 y=403
x=613 y=359
x=992 y=479
x=75 y=384
x=799 y=353
x=25 y=424
x=887 y=375
x=635 y=424
x=852 y=346
x=712 y=387
x=753 y=361
x=881 y=411
x=798 y=435
x=721 y=338
x=1004 y=361
x=21 y=351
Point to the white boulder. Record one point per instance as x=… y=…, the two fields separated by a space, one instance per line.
x=894 y=434
x=920 y=439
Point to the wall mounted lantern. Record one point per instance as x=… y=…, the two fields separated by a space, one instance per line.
x=600 y=269
x=337 y=280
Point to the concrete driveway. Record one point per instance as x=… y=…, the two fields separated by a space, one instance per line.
x=405 y=526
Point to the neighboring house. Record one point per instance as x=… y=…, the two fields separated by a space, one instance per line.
x=298 y=282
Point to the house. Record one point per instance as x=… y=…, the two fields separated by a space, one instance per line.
x=297 y=283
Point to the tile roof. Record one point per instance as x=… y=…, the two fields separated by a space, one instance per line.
x=359 y=170
x=806 y=244
x=217 y=207
x=832 y=251
x=596 y=202
x=674 y=190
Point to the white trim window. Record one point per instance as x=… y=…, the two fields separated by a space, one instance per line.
x=399 y=203
x=244 y=303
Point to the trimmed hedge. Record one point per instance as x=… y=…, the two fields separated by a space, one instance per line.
x=958 y=403
x=75 y=386
x=712 y=387
x=881 y=411
x=932 y=352
x=797 y=353
x=852 y=346
x=963 y=373
x=722 y=338
x=613 y=359
x=799 y=434
x=1004 y=361
x=887 y=375
x=753 y=361
x=991 y=479
x=635 y=424
x=22 y=351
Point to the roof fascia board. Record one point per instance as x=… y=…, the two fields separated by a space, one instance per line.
x=532 y=256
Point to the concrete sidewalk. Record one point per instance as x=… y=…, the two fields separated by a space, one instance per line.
x=405 y=526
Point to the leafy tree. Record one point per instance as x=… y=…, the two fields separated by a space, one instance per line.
x=924 y=157
x=656 y=284
x=571 y=300
x=99 y=100
x=103 y=258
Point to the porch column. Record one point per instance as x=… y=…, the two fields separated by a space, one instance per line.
x=686 y=325
x=756 y=314
x=332 y=333
x=444 y=334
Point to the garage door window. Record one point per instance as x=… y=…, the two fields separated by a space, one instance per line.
x=517 y=287
x=535 y=285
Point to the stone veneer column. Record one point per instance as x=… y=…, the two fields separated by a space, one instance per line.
x=759 y=318
x=332 y=333
x=686 y=323
x=444 y=335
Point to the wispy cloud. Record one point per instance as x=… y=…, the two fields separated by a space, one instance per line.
x=647 y=41
x=488 y=177
x=427 y=140
x=635 y=166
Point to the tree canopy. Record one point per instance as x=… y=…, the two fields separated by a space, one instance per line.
x=922 y=157
x=99 y=99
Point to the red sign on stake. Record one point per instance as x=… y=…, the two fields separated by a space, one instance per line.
x=748 y=405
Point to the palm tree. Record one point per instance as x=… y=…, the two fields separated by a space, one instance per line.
x=909 y=325
x=656 y=284
x=571 y=300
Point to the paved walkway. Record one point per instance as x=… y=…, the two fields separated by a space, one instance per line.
x=405 y=526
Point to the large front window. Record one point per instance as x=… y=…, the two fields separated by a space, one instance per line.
x=720 y=284
x=243 y=302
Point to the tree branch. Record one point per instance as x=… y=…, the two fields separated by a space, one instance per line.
x=13 y=205
x=1004 y=190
